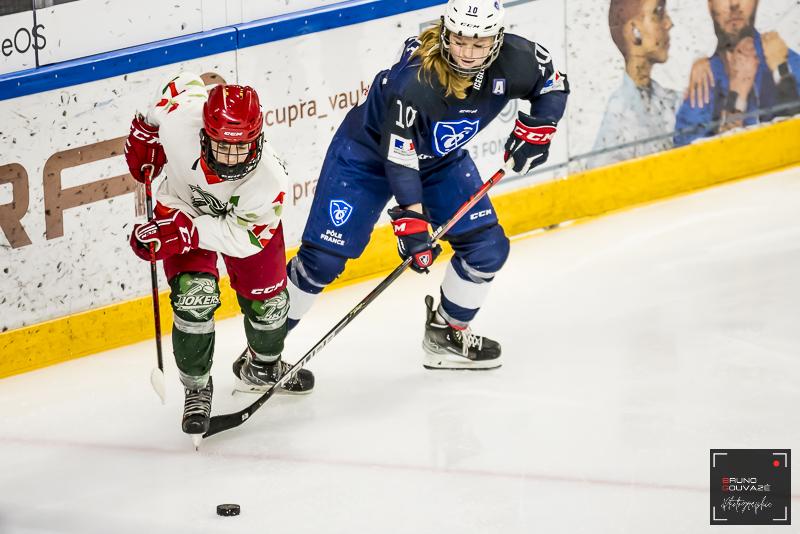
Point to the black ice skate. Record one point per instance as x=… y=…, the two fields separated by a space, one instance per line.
x=197 y=409
x=447 y=347
x=256 y=376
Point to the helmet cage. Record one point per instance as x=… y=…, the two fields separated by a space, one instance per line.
x=444 y=46
x=237 y=171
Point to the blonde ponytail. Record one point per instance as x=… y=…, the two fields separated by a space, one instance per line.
x=433 y=62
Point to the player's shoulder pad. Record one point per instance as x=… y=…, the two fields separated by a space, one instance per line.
x=261 y=196
x=403 y=78
x=179 y=91
x=409 y=47
x=183 y=85
x=406 y=57
x=520 y=53
x=519 y=47
x=273 y=165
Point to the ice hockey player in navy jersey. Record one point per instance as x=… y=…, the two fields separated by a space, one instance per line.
x=406 y=141
x=223 y=194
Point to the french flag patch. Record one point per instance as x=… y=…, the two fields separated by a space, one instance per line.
x=403 y=144
x=554 y=83
x=402 y=152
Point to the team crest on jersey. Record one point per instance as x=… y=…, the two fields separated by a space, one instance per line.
x=449 y=135
x=499 y=86
x=340 y=212
x=201 y=199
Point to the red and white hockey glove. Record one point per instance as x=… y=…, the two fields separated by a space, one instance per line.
x=529 y=143
x=144 y=148
x=413 y=238
x=173 y=233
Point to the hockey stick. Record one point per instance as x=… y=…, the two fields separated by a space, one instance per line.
x=220 y=423
x=157 y=374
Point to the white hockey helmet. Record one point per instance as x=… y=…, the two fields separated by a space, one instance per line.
x=472 y=18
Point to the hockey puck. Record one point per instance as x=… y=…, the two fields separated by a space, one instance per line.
x=228 y=509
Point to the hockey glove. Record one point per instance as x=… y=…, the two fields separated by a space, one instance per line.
x=413 y=238
x=529 y=143
x=172 y=234
x=144 y=148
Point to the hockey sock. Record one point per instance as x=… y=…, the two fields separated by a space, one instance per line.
x=265 y=325
x=308 y=273
x=301 y=303
x=194 y=298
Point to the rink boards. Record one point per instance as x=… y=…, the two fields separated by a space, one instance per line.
x=581 y=195
x=68 y=202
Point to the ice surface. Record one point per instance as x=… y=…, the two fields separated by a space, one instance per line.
x=633 y=344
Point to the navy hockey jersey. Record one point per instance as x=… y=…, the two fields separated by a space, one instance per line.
x=407 y=123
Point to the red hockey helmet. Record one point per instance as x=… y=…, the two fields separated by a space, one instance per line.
x=233 y=120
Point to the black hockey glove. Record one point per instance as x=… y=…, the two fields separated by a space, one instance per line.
x=413 y=238
x=529 y=143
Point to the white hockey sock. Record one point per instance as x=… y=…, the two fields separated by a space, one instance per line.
x=299 y=301
x=464 y=293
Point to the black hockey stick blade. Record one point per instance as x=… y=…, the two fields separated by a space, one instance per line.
x=220 y=423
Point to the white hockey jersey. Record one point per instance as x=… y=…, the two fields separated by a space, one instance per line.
x=236 y=218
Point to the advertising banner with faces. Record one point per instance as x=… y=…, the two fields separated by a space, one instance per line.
x=649 y=75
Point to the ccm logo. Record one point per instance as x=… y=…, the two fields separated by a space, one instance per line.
x=267 y=290
x=478 y=215
x=187 y=238
x=147 y=138
x=233 y=134
x=539 y=135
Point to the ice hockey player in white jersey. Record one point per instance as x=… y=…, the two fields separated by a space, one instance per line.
x=223 y=194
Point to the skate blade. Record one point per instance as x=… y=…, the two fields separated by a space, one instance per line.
x=242 y=387
x=454 y=362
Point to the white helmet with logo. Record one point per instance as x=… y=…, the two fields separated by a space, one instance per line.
x=472 y=18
